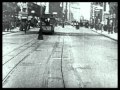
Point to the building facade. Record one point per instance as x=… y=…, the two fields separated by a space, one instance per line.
x=105 y=11
x=30 y=9
x=114 y=14
x=55 y=8
x=96 y=12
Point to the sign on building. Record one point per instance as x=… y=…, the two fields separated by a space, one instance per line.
x=54 y=12
x=24 y=14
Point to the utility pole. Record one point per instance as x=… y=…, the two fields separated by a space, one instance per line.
x=63 y=15
x=40 y=35
x=69 y=12
x=62 y=7
x=66 y=11
x=41 y=9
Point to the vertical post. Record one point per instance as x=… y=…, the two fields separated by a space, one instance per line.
x=62 y=6
x=62 y=10
x=66 y=12
x=40 y=10
x=40 y=36
x=69 y=12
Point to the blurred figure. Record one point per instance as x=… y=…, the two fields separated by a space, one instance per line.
x=77 y=25
x=105 y=25
x=108 y=25
x=63 y=24
x=87 y=24
x=23 y=25
x=102 y=24
x=38 y=24
x=7 y=25
x=111 y=27
x=33 y=22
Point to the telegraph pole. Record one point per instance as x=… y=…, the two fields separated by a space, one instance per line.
x=66 y=11
x=40 y=35
x=62 y=6
x=69 y=12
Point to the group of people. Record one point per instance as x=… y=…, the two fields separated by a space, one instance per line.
x=108 y=25
x=9 y=23
x=98 y=25
x=24 y=24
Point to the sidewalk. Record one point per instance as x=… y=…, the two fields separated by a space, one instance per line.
x=17 y=30
x=113 y=36
x=12 y=31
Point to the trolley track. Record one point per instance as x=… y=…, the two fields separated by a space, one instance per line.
x=48 y=77
x=19 y=52
x=19 y=47
x=36 y=43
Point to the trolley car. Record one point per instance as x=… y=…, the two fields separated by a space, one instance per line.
x=48 y=23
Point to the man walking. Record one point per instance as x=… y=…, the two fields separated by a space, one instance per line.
x=108 y=25
x=111 y=26
x=23 y=25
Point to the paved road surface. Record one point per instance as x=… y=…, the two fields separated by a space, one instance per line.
x=68 y=59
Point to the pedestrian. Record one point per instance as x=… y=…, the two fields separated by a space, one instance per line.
x=36 y=21
x=111 y=26
x=96 y=23
x=77 y=25
x=105 y=25
x=101 y=27
x=3 y=26
x=23 y=25
x=63 y=24
x=108 y=25
x=8 y=25
x=29 y=24
x=40 y=35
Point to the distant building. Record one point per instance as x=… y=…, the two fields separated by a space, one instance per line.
x=99 y=10
x=71 y=17
x=55 y=8
x=30 y=9
x=23 y=10
x=96 y=10
x=105 y=11
x=114 y=14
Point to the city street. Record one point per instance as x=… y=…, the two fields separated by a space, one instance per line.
x=70 y=58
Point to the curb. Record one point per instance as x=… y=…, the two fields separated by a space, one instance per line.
x=106 y=36
x=10 y=32
x=5 y=33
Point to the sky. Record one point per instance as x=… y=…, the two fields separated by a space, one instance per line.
x=83 y=11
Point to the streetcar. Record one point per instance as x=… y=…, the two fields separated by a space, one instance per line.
x=48 y=23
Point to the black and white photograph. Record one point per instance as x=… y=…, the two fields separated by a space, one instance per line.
x=59 y=44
